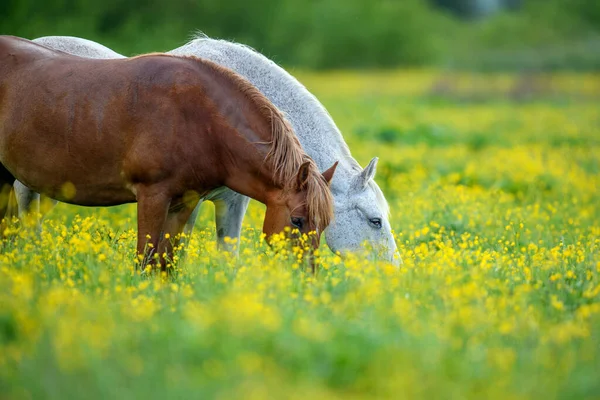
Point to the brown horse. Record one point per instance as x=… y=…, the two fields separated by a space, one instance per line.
x=155 y=129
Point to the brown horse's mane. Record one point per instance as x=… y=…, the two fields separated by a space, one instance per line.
x=285 y=153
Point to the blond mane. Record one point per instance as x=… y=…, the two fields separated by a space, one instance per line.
x=285 y=153
x=287 y=156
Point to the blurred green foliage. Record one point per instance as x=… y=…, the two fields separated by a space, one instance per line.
x=538 y=34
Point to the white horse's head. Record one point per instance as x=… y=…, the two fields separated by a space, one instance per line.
x=362 y=216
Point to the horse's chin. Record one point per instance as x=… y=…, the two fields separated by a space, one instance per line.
x=393 y=257
x=390 y=256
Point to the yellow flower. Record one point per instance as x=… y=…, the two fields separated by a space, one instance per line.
x=557 y=303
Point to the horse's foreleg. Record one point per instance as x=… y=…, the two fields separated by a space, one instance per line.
x=189 y=225
x=27 y=200
x=6 y=193
x=28 y=204
x=178 y=216
x=7 y=206
x=229 y=214
x=152 y=209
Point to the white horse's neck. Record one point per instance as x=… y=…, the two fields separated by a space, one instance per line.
x=315 y=129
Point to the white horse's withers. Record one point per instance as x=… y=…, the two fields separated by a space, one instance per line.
x=78 y=46
x=361 y=211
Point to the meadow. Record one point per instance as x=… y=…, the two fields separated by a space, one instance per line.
x=493 y=186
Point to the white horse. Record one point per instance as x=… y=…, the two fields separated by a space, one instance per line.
x=361 y=211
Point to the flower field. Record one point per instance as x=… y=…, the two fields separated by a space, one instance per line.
x=493 y=184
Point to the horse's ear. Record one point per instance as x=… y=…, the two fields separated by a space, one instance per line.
x=328 y=173
x=367 y=174
x=302 y=176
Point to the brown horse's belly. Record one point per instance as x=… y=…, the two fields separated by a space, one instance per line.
x=101 y=198
x=75 y=179
x=75 y=191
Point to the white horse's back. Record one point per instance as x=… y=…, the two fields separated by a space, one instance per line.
x=78 y=46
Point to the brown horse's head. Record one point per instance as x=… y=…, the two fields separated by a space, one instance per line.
x=305 y=204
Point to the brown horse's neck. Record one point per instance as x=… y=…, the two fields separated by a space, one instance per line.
x=254 y=129
x=259 y=188
x=249 y=172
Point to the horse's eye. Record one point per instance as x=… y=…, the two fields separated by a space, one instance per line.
x=375 y=222
x=298 y=222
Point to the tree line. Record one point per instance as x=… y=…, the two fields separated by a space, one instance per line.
x=328 y=34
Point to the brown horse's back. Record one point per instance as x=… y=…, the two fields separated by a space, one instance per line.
x=102 y=125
